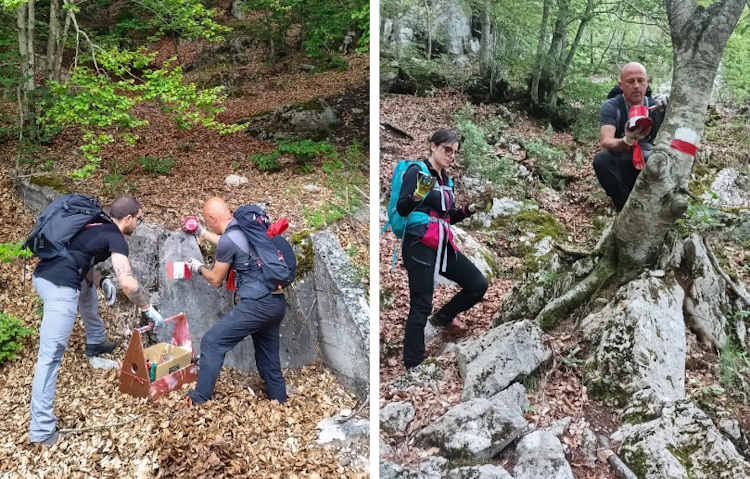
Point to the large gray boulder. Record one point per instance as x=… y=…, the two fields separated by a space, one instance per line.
x=427 y=374
x=451 y=22
x=481 y=256
x=500 y=207
x=36 y=196
x=732 y=189
x=475 y=430
x=487 y=471
x=143 y=254
x=344 y=320
x=683 y=443
x=707 y=302
x=431 y=468
x=540 y=455
x=499 y=357
x=642 y=343
x=391 y=470
x=396 y=416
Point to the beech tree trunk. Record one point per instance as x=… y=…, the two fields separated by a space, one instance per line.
x=540 y=54
x=660 y=196
x=53 y=38
x=428 y=13
x=485 y=50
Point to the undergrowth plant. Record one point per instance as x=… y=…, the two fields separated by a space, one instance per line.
x=734 y=369
x=700 y=217
x=306 y=151
x=11 y=251
x=156 y=165
x=478 y=156
x=346 y=179
x=12 y=334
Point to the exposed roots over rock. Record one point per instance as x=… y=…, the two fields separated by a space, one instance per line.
x=605 y=268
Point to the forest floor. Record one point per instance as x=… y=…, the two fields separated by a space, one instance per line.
x=240 y=433
x=581 y=208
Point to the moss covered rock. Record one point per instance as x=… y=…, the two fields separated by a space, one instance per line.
x=682 y=442
x=640 y=343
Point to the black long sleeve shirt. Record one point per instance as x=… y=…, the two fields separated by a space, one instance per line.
x=431 y=202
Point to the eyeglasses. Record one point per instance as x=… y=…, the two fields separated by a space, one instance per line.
x=138 y=220
x=449 y=150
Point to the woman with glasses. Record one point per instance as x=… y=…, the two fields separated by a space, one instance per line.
x=426 y=199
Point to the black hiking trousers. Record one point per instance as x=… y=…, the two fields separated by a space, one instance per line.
x=616 y=174
x=419 y=260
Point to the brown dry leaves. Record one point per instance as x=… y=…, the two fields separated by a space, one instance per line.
x=236 y=435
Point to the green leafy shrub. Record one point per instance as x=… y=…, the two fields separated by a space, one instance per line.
x=307 y=150
x=11 y=251
x=12 y=334
x=304 y=150
x=478 y=156
x=547 y=160
x=156 y=165
x=586 y=127
x=700 y=217
x=266 y=161
x=734 y=367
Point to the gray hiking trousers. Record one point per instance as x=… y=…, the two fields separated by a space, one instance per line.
x=60 y=306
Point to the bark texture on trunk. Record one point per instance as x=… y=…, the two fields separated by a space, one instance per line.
x=540 y=53
x=660 y=195
x=485 y=52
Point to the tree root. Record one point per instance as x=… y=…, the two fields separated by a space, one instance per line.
x=562 y=305
x=621 y=470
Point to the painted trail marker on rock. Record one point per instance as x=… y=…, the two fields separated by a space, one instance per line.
x=178 y=270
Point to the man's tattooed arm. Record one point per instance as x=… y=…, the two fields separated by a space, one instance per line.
x=128 y=282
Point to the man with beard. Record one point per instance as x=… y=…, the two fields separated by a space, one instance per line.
x=67 y=285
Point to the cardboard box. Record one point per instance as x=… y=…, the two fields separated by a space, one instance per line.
x=168 y=358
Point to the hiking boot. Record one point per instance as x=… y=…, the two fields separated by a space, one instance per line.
x=438 y=321
x=101 y=348
x=51 y=440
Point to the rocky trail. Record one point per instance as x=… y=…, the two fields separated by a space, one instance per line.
x=629 y=372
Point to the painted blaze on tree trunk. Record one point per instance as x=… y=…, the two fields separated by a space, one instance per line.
x=660 y=196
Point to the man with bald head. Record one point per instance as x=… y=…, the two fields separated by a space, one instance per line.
x=614 y=164
x=258 y=313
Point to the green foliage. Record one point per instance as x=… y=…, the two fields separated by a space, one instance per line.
x=156 y=165
x=346 y=179
x=734 y=369
x=182 y=18
x=323 y=24
x=266 y=161
x=324 y=215
x=736 y=62
x=361 y=19
x=547 y=160
x=97 y=103
x=12 y=334
x=306 y=151
x=700 y=217
x=11 y=251
x=474 y=149
x=478 y=156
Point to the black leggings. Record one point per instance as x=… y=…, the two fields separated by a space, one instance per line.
x=420 y=263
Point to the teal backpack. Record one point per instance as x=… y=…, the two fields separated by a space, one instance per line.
x=396 y=221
